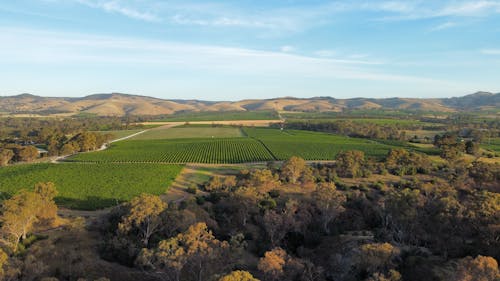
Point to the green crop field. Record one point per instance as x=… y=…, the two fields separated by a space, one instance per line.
x=187 y=132
x=312 y=145
x=217 y=150
x=91 y=186
x=492 y=144
x=221 y=116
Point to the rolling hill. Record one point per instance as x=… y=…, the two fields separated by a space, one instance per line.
x=116 y=104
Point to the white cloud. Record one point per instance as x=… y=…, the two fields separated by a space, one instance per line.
x=118 y=8
x=288 y=49
x=490 y=51
x=55 y=48
x=325 y=53
x=445 y=25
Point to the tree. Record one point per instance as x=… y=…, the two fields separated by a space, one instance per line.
x=195 y=249
x=273 y=263
x=28 y=153
x=238 y=275
x=471 y=147
x=378 y=257
x=19 y=215
x=263 y=179
x=5 y=156
x=393 y=275
x=350 y=163
x=69 y=148
x=143 y=215
x=329 y=202
x=293 y=169
x=47 y=192
x=480 y=268
x=4 y=258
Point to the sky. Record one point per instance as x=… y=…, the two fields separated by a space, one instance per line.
x=232 y=50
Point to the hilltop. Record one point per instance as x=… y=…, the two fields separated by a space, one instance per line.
x=117 y=104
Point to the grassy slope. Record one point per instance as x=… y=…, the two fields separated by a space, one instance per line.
x=91 y=186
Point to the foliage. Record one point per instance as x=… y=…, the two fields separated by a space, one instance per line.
x=238 y=275
x=144 y=215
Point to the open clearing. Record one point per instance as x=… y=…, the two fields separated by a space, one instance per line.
x=91 y=186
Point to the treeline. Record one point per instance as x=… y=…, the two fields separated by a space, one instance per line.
x=21 y=138
x=349 y=128
x=301 y=222
x=57 y=145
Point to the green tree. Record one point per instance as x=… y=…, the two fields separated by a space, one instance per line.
x=293 y=169
x=5 y=156
x=329 y=202
x=28 y=153
x=350 y=163
x=19 y=215
x=143 y=215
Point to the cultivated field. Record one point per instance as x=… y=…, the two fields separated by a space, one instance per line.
x=213 y=145
x=91 y=186
x=190 y=132
x=312 y=145
x=222 y=116
x=201 y=150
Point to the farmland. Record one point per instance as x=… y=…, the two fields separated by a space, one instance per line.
x=221 y=116
x=492 y=144
x=185 y=132
x=217 y=150
x=91 y=186
x=312 y=145
x=257 y=144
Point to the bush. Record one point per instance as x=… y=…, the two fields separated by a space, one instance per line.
x=192 y=190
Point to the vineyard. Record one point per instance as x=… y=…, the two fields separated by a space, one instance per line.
x=91 y=186
x=312 y=145
x=218 y=150
x=186 y=132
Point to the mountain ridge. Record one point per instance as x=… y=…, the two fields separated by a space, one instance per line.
x=119 y=104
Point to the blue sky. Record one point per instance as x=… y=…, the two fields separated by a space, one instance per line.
x=231 y=50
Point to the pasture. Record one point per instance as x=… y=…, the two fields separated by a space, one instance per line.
x=91 y=186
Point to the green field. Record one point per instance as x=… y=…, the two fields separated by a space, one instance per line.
x=217 y=150
x=221 y=116
x=91 y=186
x=492 y=144
x=187 y=132
x=312 y=145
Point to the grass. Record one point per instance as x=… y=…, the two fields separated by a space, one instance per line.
x=217 y=150
x=312 y=145
x=190 y=132
x=91 y=186
x=221 y=116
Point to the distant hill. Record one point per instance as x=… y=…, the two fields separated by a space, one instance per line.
x=116 y=104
